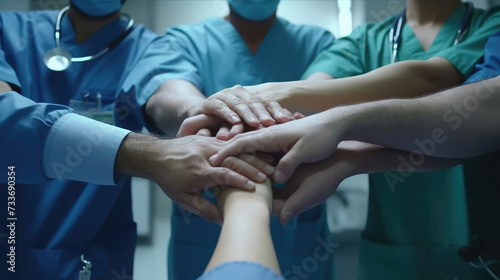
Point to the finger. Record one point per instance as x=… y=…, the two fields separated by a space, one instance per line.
x=192 y=125
x=244 y=169
x=257 y=163
x=289 y=189
x=298 y=116
x=297 y=203
x=280 y=114
x=268 y=158
x=223 y=132
x=258 y=108
x=220 y=107
x=240 y=107
x=255 y=103
x=221 y=176
x=246 y=143
x=204 y=132
x=235 y=130
x=289 y=162
x=197 y=204
x=277 y=204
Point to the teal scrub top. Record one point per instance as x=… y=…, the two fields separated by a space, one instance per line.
x=416 y=222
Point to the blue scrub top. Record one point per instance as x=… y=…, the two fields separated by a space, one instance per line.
x=214 y=57
x=480 y=173
x=60 y=219
x=489 y=66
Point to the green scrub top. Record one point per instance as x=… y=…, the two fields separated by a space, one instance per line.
x=416 y=221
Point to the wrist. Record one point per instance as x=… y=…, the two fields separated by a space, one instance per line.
x=256 y=204
x=136 y=156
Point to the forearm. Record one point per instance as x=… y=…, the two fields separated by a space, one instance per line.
x=4 y=87
x=460 y=122
x=245 y=234
x=135 y=156
x=403 y=79
x=370 y=158
x=172 y=103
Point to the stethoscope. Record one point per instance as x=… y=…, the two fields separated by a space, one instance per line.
x=397 y=26
x=58 y=59
x=472 y=255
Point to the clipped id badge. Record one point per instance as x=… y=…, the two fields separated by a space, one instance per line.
x=92 y=109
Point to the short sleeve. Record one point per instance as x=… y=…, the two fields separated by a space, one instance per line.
x=343 y=58
x=241 y=270
x=325 y=41
x=160 y=62
x=490 y=65
x=465 y=55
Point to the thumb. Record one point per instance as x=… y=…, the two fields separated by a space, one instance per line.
x=198 y=205
x=289 y=162
x=297 y=203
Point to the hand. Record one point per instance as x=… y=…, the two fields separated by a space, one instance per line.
x=238 y=102
x=210 y=125
x=305 y=140
x=313 y=183
x=180 y=167
x=206 y=125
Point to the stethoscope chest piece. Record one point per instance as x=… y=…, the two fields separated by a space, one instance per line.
x=57 y=59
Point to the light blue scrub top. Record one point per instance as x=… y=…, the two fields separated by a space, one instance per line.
x=241 y=270
x=215 y=57
x=60 y=219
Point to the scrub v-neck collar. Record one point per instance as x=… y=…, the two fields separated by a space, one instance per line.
x=97 y=42
x=235 y=38
x=445 y=36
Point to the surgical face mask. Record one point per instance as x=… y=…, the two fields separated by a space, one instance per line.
x=97 y=8
x=254 y=10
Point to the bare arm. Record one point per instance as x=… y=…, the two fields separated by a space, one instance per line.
x=402 y=79
x=172 y=103
x=313 y=183
x=4 y=87
x=246 y=234
x=459 y=122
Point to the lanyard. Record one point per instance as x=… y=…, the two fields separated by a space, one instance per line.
x=397 y=29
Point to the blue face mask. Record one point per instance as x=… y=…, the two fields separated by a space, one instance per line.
x=254 y=10
x=97 y=8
